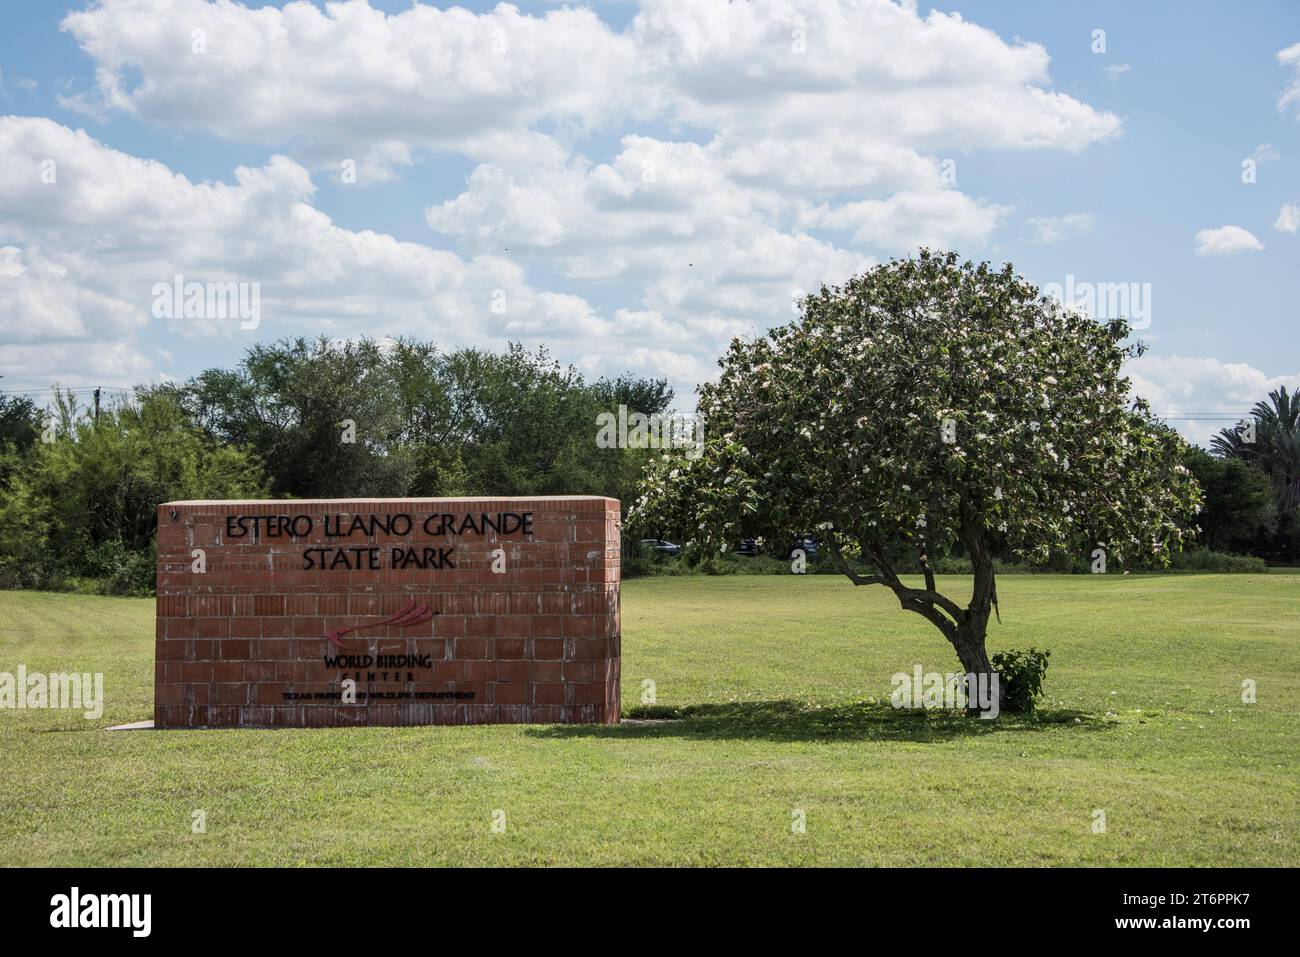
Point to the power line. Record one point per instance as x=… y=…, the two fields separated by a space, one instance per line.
x=78 y=390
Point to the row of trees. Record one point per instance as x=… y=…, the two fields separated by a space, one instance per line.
x=405 y=418
x=299 y=419
x=316 y=419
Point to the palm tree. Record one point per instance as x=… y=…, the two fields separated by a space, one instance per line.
x=1276 y=446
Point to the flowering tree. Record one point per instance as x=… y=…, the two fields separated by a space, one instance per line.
x=927 y=403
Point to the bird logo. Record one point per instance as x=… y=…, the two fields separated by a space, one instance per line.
x=411 y=614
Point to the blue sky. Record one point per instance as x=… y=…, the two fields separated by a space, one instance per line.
x=632 y=184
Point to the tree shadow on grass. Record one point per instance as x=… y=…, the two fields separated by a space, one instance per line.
x=787 y=720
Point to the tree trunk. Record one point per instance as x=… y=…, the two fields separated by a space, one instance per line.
x=971 y=632
x=964 y=628
x=971 y=651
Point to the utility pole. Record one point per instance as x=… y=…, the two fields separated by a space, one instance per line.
x=97 y=406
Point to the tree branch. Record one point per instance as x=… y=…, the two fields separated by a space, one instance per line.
x=931 y=614
x=921 y=601
x=922 y=550
x=935 y=598
x=851 y=574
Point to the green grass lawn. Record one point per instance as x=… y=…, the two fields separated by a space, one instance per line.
x=789 y=678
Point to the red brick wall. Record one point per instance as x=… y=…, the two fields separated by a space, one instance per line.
x=244 y=643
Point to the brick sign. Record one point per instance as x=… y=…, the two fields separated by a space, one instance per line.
x=387 y=612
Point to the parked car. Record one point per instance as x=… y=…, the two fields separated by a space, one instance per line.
x=808 y=543
x=661 y=546
x=747 y=546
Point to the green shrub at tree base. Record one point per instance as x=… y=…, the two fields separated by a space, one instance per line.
x=1021 y=675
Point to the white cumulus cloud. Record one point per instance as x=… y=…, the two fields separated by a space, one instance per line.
x=85 y=251
x=1225 y=240
x=761 y=149
x=352 y=82
x=1201 y=395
